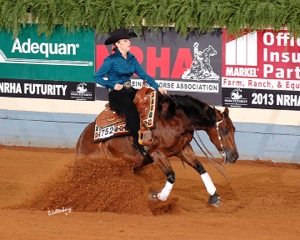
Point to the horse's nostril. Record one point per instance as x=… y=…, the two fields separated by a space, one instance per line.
x=235 y=156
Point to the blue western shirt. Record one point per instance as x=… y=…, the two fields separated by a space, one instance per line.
x=119 y=70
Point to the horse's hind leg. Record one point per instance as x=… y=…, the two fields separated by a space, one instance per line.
x=187 y=155
x=162 y=161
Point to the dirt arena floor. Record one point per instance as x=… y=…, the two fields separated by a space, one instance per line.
x=43 y=195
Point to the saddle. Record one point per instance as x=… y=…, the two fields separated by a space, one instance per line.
x=145 y=101
x=109 y=124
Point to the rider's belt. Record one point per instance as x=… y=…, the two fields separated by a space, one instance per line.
x=127 y=84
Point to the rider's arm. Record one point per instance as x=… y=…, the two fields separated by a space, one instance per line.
x=103 y=70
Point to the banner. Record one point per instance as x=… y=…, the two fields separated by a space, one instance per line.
x=261 y=70
x=190 y=65
x=62 y=57
x=47 y=89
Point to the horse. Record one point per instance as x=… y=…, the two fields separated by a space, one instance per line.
x=177 y=118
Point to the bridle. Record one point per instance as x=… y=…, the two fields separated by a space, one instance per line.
x=222 y=151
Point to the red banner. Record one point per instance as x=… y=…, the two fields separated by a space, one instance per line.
x=261 y=70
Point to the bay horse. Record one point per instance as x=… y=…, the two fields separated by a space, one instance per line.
x=177 y=119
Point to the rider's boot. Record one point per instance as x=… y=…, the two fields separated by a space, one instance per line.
x=147 y=158
x=134 y=126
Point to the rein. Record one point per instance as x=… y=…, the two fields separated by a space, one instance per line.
x=207 y=153
x=220 y=138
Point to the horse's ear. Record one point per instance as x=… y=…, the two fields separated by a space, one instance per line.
x=226 y=112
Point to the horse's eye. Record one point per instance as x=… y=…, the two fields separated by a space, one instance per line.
x=224 y=131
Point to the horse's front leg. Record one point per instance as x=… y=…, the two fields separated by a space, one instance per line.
x=163 y=162
x=188 y=155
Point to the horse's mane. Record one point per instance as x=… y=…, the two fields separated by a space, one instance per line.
x=197 y=111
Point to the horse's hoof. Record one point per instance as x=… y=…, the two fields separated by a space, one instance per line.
x=136 y=169
x=215 y=200
x=153 y=196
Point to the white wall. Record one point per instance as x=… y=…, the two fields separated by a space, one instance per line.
x=261 y=134
x=243 y=115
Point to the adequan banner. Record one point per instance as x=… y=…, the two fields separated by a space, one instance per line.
x=190 y=65
x=261 y=70
x=62 y=57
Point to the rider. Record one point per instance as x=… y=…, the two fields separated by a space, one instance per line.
x=119 y=67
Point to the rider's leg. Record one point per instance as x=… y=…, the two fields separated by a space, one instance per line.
x=121 y=102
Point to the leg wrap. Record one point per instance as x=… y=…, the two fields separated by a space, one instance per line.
x=164 y=194
x=200 y=169
x=171 y=178
x=210 y=187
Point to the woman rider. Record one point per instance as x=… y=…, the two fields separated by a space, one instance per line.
x=119 y=67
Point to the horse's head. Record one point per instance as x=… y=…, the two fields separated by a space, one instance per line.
x=218 y=125
x=222 y=136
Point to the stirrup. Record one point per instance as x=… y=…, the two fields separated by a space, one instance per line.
x=145 y=138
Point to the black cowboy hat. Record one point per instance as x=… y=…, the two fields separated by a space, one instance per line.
x=119 y=34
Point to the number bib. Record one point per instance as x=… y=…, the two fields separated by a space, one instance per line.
x=107 y=132
x=103 y=133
